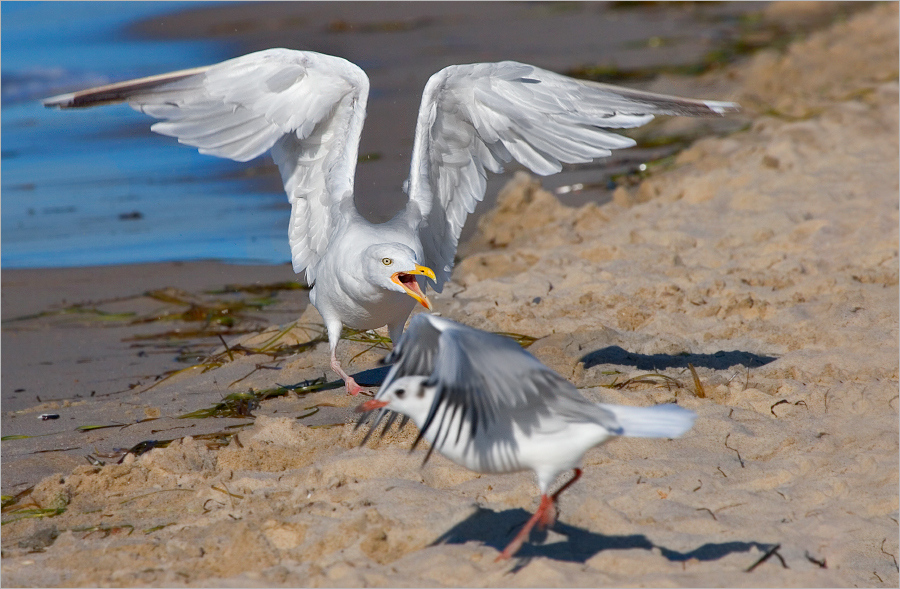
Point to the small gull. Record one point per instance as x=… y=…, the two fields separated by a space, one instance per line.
x=308 y=109
x=487 y=404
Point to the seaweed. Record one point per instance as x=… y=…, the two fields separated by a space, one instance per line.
x=521 y=339
x=266 y=289
x=307 y=386
x=34 y=513
x=158 y=528
x=698 y=387
x=105 y=529
x=81 y=310
x=242 y=404
x=216 y=315
x=212 y=441
x=136 y=497
x=29 y=510
x=233 y=405
x=752 y=34
x=10 y=500
x=653 y=378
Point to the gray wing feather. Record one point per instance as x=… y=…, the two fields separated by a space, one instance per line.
x=307 y=108
x=491 y=379
x=475 y=118
x=414 y=353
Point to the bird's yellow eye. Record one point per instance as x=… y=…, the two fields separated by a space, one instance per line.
x=387 y=261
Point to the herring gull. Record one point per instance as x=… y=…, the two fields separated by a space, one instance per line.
x=308 y=108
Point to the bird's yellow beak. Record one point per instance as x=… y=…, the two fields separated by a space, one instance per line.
x=407 y=280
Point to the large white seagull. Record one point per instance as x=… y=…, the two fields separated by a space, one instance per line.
x=308 y=110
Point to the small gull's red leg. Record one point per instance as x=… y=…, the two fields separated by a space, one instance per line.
x=550 y=515
x=544 y=517
x=514 y=546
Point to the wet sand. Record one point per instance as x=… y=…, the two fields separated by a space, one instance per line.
x=767 y=259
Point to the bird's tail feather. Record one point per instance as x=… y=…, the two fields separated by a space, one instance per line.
x=661 y=421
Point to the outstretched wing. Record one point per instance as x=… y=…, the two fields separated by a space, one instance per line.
x=306 y=107
x=490 y=380
x=477 y=117
x=486 y=377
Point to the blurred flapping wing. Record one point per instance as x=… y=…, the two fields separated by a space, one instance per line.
x=485 y=377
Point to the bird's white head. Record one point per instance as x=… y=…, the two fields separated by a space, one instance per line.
x=393 y=266
x=407 y=395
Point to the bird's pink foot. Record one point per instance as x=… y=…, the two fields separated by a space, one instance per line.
x=513 y=547
x=544 y=517
x=352 y=388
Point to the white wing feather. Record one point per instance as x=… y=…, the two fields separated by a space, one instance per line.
x=306 y=107
x=477 y=117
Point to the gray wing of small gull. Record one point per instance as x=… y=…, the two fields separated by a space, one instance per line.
x=492 y=381
x=413 y=355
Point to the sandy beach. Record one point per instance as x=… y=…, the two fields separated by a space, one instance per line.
x=752 y=278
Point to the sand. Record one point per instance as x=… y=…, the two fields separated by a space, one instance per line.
x=766 y=259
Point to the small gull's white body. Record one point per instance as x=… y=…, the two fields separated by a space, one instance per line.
x=308 y=109
x=487 y=404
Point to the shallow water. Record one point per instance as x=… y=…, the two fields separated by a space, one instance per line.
x=87 y=187
x=94 y=187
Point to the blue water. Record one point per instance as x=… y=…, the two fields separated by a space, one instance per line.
x=95 y=186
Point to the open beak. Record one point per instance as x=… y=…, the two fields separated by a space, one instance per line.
x=370 y=405
x=407 y=280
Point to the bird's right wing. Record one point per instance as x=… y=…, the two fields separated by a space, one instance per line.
x=414 y=354
x=487 y=378
x=476 y=117
x=306 y=107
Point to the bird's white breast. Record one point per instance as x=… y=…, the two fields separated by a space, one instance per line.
x=549 y=447
x=342 y=288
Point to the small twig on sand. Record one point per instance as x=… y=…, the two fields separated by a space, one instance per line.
x=822 y=563
x=889 y=554
x=735 y=450
x=772 y=408
x=709 y=511
x=772 y=551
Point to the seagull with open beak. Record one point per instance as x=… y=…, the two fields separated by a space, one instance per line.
x=366 y=287
x=308 y=109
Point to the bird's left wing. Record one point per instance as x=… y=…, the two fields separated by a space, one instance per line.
x=484 y=377
x=308 y=108
x=477 y=117
x=414 y=354
x=489 y=379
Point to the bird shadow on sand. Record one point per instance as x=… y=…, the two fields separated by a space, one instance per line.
x=718 y=361
x=496 y=529
x=372 y=377
x=615 y=355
